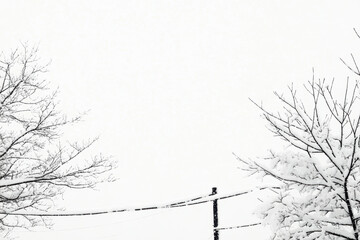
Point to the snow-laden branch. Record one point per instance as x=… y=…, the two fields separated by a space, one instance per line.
x=319 y=172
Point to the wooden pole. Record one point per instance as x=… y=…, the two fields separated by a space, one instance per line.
x=215 y=214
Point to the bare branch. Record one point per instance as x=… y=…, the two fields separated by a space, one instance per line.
x=36 y=166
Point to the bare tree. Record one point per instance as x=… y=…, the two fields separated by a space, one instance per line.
x=36 y=166
x=319 y=173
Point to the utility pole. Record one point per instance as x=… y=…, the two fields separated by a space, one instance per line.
x=215 y=214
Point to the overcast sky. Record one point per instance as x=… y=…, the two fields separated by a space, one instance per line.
x=167 y=85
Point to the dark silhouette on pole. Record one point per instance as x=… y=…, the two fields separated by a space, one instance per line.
x=215 y=214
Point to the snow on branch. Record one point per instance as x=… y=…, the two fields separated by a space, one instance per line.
x=319 y=171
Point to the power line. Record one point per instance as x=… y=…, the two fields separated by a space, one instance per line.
x=213 y=197
x=185 y=203
x=226 y=196
x=182 y=203
x=241 y=226
x=97 y=225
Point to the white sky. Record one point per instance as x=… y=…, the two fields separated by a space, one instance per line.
x=167 y=83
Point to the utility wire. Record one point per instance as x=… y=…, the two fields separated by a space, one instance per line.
x=182 y=203
x=185 y=203
x=225 y=196
x=241 y=226
x=97 y=225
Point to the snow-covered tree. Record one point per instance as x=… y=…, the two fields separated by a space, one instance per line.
x=35 y=164
x=319 y=173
